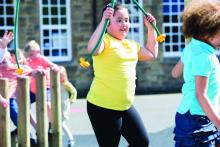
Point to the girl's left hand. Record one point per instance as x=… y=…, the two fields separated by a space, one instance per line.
x=149 y=19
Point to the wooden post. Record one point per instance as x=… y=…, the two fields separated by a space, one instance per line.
x=41 y=106
x=56 y=123
x=23 y=112
x=5 y=139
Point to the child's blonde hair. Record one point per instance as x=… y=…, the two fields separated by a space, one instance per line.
x=32 y=46
x=63 y=73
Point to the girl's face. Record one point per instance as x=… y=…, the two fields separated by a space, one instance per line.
x=119 y=24
x=33 y=53
x=215 y=41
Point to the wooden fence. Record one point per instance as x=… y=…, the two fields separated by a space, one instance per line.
x=23 y=98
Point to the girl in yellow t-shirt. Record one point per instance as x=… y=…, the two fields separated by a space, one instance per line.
x=112 y=92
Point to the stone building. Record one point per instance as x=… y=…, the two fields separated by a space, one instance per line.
x=63 y=28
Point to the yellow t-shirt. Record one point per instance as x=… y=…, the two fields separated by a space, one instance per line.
x=113 y=86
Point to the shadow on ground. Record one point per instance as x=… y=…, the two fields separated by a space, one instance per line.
x=156 y=139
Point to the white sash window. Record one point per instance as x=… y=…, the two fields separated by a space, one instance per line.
x=56 y=30
x=7 y=14
x=172 y=27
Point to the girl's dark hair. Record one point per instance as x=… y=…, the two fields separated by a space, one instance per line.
x=117 y=6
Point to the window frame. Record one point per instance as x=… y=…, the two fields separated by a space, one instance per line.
x=177 y=6
x=6 y=26
x=51 y=28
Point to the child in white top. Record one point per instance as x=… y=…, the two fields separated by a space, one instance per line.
x=4 y=41
x=68 y=96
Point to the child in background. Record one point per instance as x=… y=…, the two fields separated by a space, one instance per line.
x=110 y=99
x=4 y=41
x=21 y=57
x=37 y=61
x=24 y=64
x=8 y=70
x=197 y=121
x=68 y=96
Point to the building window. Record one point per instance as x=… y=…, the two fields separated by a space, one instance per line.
x=7 y=13
x=136 y=31
x=56 y=30
x=172 y=27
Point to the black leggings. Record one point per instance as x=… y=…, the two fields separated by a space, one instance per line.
x=109 y=125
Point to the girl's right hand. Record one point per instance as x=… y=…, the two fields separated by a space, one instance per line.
x=6 y=39
x=108 y=13
x=149 y=19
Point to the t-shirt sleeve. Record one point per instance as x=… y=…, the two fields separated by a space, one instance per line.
x=137 y=45
x=106 y=41
x=201 y=65
x=182 y=55
x=2 y=53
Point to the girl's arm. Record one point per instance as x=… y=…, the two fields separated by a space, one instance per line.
x=149 y=52
x=49 y=64
x=177 y=70
x=72 y=91
x=3 y=101
x=201 y=90
x=107 y=14
x=2 y=54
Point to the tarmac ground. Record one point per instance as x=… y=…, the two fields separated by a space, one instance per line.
x=157 y=112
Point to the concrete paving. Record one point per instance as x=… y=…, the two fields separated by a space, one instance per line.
x=157 y=112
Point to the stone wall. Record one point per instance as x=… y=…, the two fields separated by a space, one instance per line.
x=29 y=22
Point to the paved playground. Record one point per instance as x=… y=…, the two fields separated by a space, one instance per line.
x=157 y=111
